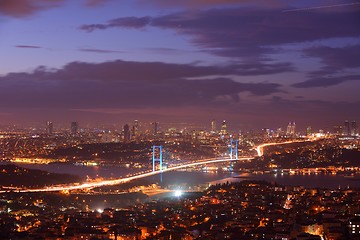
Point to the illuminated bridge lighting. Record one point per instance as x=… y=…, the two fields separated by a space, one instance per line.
x=123 y=180
x=77 y=186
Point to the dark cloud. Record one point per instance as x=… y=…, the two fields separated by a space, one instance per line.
x=159 y=71
x=247 y=33
x=206 y=3
x=121 y=84
x=339 y=65
x=165 y=50
x=335 y=59
x=95 y=50
x=94 y=3
x=27 y=46
x=126 y=22
x=326 y=81
x=23 y=8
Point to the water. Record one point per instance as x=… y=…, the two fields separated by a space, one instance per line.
x=184 y=178
x=82 y=171
x=309 y=181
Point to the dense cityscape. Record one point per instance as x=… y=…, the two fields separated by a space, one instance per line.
x=179 y=120
x=242 y=202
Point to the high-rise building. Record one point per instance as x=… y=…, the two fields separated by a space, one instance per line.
x=127 y=134
x=49 y=128
x=155 y=128
x=290 y=130
x=135 y=129
x=74 y=128
x=338 y=130
x=354 y=129
x=223 y=128
x=213 y=126
x=266 y=132
x=308 y=131
x=346 y=128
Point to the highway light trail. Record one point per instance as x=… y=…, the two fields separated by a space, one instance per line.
x=122 y=180
x=112 y=182
x=260 y=148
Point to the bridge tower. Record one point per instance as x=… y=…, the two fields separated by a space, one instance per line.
x=234 y=149
x=157 y=156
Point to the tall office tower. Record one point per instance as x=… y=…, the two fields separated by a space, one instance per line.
x=136 y=128
x=290 y=130
x=347 y=128
x=223 y=128
x=74 y=128
x=155 y=128
x=338 y=130
x=293 y=130
x=127 y=134
x=308 y=131
x=354 y=129
x=213 y=126
x=266 y=132
x=49 y=128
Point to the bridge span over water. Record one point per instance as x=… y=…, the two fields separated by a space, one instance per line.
x=112 y=182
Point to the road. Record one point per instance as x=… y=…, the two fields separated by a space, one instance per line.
x=88 y=185
x=260 y=148
x=122 y=180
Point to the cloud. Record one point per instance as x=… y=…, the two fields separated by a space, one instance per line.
x=326 y=81
x=238 y=32
x=126 y=22
x=94 y=3
x=27 y=46
x=211 y=3
x=340 y=64
x=159 y=71
x=336 y=59
x=24 y=8
x=122 y=84
x=91 y=92
x=95 y=50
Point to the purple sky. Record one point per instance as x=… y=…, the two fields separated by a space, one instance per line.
x=255 y=63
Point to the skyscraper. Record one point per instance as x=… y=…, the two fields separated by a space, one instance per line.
x=290 y=130
x=354 y=129
x=74 y=128
x=155 y=128
x=223 y=128
x=213 y=126
x=338 y=130
x=49 y=128
x=308 y=131
x=135 y=129
x=127 y=134
x=347 y=131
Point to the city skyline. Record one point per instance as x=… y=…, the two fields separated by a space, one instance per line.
x=134 y=129
x=254 y=63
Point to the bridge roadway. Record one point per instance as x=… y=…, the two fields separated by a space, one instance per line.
x=122 y=180
x=111 y=182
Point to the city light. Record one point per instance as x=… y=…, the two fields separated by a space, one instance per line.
x=178 y=193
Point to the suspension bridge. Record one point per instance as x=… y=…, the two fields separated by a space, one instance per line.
x=157 y=159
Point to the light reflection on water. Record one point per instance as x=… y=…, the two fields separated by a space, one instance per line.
x=194 y=178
